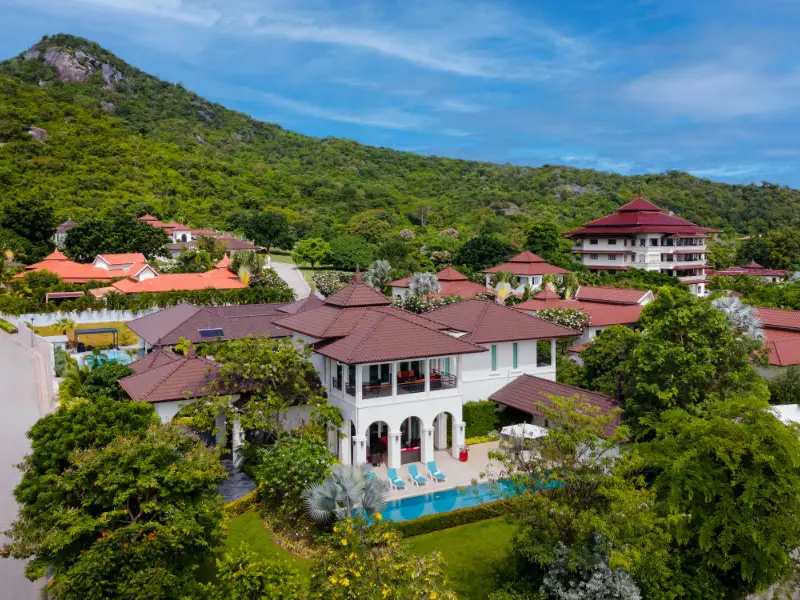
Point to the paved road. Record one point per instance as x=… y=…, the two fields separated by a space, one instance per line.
x=19 y=407
x=291 y=275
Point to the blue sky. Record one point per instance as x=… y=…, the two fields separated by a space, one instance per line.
x=711 y=86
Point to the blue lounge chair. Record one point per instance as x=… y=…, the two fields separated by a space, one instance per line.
x=416 y=478
x=370 y=475
x=394 y=480
x=434 y=472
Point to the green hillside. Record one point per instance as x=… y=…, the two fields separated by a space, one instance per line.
x=124 y=141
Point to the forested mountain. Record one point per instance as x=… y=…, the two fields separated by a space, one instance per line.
x=93 y=135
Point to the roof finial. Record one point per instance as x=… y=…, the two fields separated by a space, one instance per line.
x=357 y=276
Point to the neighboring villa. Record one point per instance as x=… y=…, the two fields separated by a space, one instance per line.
x=104 y=268
x=183 y=236
x=218 y=278
x=640 y=236
x=60 y=237
x=781 y=337
x=605 y=307
x=754 y=270
x=451 y=283
x=133 y=274
x=396 y=376
x=528 y=268
x=199 y=324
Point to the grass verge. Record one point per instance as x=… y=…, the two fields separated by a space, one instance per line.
x=126 y=336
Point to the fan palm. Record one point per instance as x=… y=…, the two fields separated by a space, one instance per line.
x=377 y=274
x=345 y=491
x=424 y=284
x=741 y=316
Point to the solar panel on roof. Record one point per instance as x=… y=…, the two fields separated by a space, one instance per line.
x=211 y=333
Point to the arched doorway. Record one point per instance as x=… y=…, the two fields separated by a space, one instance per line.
x=183 y=238
x=411 y=432
x=377 y=435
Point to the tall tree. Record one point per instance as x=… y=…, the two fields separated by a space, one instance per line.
x=312 y=251
x=132 y=519
x=33 y=220
x=482 y=252
x=729 y=476
x=347 y=252
x=113 y=236
x=271 y=228
x=606 y=362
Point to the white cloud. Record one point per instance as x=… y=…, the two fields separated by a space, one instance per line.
x=598 y=162
x=461 y=106
x=717 y=89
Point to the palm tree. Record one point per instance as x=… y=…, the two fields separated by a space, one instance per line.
x=377 y=274
x=569 y=286
x=741 y=316
x=505 y=277
x=424 y=284
x=65 y=323
x=74 y=378
x=348 y=489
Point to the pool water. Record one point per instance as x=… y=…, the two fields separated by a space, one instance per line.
x=469 y=496
x=114 y=354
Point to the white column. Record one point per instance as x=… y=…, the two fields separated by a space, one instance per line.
x=394 y=379
x=358 y=382
x=394 y=450
x=427 y=364
x=237 y=442
x=332 y=435
x=553 y=352
x=220 y=428
x=359 y=450
x=427 y=445
x=440 y=433
x=345 y=444
x=458 y=437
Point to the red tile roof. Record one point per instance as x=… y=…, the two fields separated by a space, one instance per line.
x=527 y=393
x=301 y=305
x=167 y=326
x=783 y=346
x=170 y=282
x=638 y=216
x=486 y=321
x=776 y=318
x=547 y=294
x=223 y=263
x=753 y=269
x=357 y=293
x=527 y=263
x=384 y=335
x=610 y=295
x=147 y=218
x=157 y=358
x=182 y=378
x=452 y=283
x=600 y=315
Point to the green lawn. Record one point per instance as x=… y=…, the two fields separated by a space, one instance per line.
x=471 y=553
x=249 y=529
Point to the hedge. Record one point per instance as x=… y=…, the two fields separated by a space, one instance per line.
x=481 y=439
x=242 y=505
x=8 y=327
x=480 y=418
x=454 y=518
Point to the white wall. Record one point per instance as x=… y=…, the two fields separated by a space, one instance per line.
x=81 y=318
x=478 y=381
x=399 y=291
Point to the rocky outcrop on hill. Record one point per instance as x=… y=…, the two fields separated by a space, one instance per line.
x=74 y=67
x=38 y=133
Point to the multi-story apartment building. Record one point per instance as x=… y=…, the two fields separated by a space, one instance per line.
x=641 y=236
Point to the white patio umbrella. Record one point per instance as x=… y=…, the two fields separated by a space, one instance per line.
x=524 y=430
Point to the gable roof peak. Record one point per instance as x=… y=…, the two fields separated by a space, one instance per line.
x=357 y=293
x=639 y=204
x=450 y=274
x=526 y=257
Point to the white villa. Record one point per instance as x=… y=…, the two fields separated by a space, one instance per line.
x=641 y=236
x=398 y=377
x=528 y=268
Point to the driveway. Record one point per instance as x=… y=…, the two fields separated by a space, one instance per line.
x=19 y=405
x=292 y=275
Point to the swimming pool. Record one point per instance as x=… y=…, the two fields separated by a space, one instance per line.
x=113 y=354
x=469 y=496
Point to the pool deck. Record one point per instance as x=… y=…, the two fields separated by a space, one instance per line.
x=458 y=473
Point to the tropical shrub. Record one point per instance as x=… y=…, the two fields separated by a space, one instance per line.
x=346 y=490
x=241 y=576
x=453 y=518
x=286 y=469
x=60 y=361
x=419 y=305
x=785 y=387
x=368 y=562
x=328 y=282
x=480 y=417
x=103 y=380
x=576 y=320
x=242 y=505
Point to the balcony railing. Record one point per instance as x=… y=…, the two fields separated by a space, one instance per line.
x=416 y=386
x=337 y=383
x=350 y=389
x=444 y=382
x=376 y=390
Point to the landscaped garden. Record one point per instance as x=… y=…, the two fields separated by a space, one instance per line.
x=126 y=336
